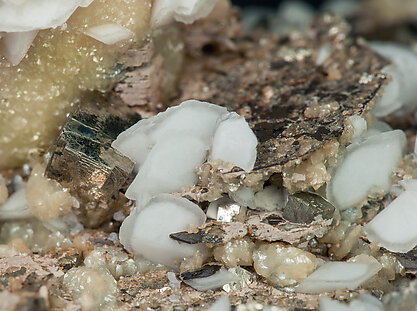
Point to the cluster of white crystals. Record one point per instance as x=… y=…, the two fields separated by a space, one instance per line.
x=167 y=150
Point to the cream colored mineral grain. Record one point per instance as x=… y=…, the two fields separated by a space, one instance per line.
x=46 y=198
x=115 y=261
x=311 y=172
x=283 y=265
x=235 y=253
x=92 y=289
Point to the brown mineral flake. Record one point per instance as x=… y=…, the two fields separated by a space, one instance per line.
x=275 y=83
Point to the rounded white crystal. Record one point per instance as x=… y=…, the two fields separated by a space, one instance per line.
x=399 y=93
x=338 y=275
x=395 y=227
x=146 y=232
x=366 y=169
x=235 y=142
x=185 y=11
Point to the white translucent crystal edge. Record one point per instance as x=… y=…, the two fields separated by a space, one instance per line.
x=185 y=11
x=109 y=33
x=214 y=281
x=332 y=276
x=221 y=304
x=15 y=206
x=395 y=227
x=398 y=95
x=128 y=236
x=398 y=142
x=15 y=45
x=364 y=302
x=31 y=15
x=229 y=147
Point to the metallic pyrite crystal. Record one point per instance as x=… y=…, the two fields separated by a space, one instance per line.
x=83 y=160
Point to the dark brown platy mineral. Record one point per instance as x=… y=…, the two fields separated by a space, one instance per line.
x=294 y=105
x=83 y=160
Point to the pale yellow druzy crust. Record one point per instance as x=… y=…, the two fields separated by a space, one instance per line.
x=37 y=95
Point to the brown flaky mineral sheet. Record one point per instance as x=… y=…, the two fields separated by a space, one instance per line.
x=294 y=106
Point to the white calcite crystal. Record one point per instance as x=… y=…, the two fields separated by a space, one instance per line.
x=27 y=15
x=214 y=281
x=185 y=11
x=147 y=231
x=395 y=227
x=15 y=207
x=271 y=198
x=15 y=45
x=363 y=302
x=235 y=142
x=338 y=275
x=244 y=196
x=109 y=33
x=366 y=168
x=359 y=126
x=21 y=20
x=399 y=93
x=167 y=150
x=221 y=304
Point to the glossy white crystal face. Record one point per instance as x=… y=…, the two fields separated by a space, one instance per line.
x=399 y=93
x=394 y=228
x=185 y=11
x=338 y=275
x=365 y=302
x=235 y=143
x=146 y=232
x=109 y=33
x=360 y=174
x=28 y=15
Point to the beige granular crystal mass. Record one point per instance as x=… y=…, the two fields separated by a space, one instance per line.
x=45 y=197
x=37 y=95
x=311 y=172
x=235 y=253
x=283 y=265
x=92 y=289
